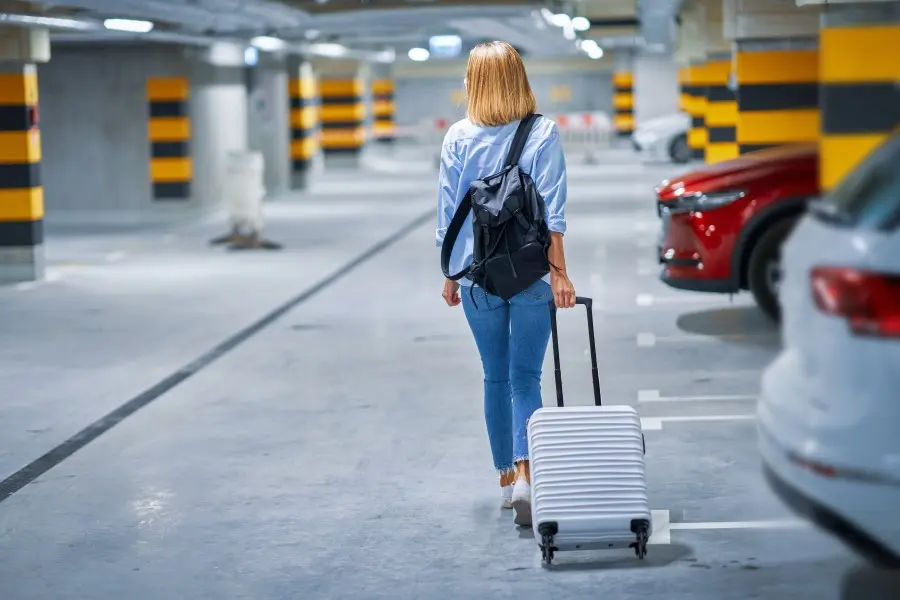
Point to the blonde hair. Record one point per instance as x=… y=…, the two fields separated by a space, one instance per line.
x=497 y=86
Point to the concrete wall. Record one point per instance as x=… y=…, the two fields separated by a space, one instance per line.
x=656 y=88
x=94 y=118
x=435 y=90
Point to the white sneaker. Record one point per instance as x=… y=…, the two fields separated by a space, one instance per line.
x=521 y=502
x=506 y=493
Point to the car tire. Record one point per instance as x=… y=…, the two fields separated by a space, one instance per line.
x=764 y=267
x=679 y=150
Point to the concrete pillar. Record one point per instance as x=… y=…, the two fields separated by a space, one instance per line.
x=268 y=119
x=344 y=113
x=721 y=116
x=860 y=84
x=655 y=87
x=383 y=110
x=169 y=131
x=305 y=130
x=21 y=190
x=778 y=93
x=775 y=71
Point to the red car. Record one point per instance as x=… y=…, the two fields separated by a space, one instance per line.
x=723 y=225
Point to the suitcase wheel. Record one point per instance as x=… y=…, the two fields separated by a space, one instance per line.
x=547 y=531
x=641 y=530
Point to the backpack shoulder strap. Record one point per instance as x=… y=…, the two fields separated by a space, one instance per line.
x=459 y=217
x=518 y=143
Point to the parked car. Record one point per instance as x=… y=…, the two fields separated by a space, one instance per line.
x=723 y=225
x=829 y=416
x=664 y=138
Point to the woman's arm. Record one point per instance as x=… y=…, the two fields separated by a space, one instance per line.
x=448 y=182
x=549 y=175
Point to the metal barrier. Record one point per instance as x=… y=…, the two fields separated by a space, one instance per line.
x=583 y=134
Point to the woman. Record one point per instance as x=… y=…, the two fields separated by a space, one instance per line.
x=511 y=336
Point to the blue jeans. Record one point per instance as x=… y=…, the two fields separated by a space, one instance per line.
x=512 y=339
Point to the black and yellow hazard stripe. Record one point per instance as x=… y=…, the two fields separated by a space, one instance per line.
x=384 y=126
x=169 y=129
x=778 y=97
x=21 y=191
x=343 y=115
x=720 y=117
x=623 y=103
x=304 y=122
x=699 y=86
x=860 y=91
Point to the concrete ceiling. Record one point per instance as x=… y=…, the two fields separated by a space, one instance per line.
x=377 y=24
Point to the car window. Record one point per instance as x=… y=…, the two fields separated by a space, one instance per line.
x=870 y=195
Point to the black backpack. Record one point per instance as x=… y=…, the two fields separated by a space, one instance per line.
x=511 y=232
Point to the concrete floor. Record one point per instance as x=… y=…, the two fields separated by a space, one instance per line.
x=340 y=451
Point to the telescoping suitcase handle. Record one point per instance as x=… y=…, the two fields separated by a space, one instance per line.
x=589 y=305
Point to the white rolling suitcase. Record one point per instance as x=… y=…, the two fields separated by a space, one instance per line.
x=588 y=489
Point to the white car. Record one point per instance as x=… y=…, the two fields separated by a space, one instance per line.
x=664 y=138
x=829 y=410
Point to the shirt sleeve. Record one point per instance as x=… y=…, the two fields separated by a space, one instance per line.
x=550 y=178
x=448 y=183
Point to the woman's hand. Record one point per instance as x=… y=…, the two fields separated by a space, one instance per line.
x=451 y=293
x=563 y=290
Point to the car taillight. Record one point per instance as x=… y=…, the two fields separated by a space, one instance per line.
x=869 y=301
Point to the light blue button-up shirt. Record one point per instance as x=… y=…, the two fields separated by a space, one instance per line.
x=470 y=152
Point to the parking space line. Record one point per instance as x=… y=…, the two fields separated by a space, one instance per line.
x=655 y=396
x=649 y=340
x=648 y=300
x=713 y=525
x=661 y=531
x=656 y=423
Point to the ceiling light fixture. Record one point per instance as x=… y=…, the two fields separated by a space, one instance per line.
x=418 y=54
x=581 y=24
x=129 y=25
x=267 y=43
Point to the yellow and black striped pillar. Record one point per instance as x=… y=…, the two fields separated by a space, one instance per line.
x=860 y=87
x=777 y=95
x=304 y=123
x=623 y=102
x=697 y=136
x=384 y=126
x=720 y=117
x=21 y=191
x=343 y=116
x=171 y=166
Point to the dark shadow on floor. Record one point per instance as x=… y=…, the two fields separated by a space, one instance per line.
x=867 y=583
x=745 y=326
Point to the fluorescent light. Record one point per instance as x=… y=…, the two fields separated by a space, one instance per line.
x=332 y=50
x=267 y=43
x=568 y=31
x=130 y=25
x=55 y=22
x=595 y=53
x=418 y=54
x=581 y=24
x=561 y=20
x=386 y=56
x=588 y=45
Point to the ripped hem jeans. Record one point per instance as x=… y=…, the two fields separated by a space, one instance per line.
x=511 y=337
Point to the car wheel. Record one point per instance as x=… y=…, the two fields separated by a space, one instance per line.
x=764 y=268
x=679 y=151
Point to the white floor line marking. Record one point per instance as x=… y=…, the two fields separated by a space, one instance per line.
x=646 y=340
x=656 y=423
x=661 y=532
x=690 y=339
x=651 y=300
x=711 y=525
x=655 y=396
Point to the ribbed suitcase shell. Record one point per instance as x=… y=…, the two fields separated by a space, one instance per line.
x=587 y=475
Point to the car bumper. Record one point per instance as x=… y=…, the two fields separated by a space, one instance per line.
x=689 y=263
x=860 y=513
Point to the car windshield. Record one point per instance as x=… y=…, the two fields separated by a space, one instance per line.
x=870 y=195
